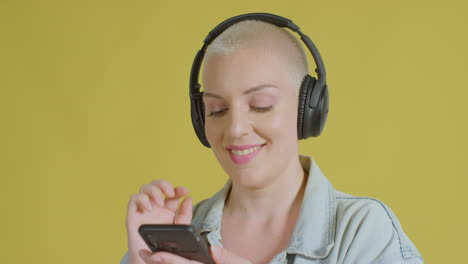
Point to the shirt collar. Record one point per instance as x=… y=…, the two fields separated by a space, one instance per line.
x=314 y=233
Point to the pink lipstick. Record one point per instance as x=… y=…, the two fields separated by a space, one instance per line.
x=245 y=153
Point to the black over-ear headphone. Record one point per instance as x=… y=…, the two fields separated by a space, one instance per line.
x=313 y=94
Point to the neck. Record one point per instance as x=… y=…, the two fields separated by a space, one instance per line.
x=278 y=198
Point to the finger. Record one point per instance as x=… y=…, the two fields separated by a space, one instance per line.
x=154 y=193
x=173 y=203
x=181 y=191
x=165 y=187
x=132 y=206
x=184 y=214
x=170 y=258
x=148 y=257
x=143 y=202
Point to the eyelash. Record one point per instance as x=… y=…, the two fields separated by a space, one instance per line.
x=256 y=109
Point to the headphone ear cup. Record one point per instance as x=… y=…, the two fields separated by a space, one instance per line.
x=304 y=94
x=198 y=118
x=311 y=121
x=323 y=111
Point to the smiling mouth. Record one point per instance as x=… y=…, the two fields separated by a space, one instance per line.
x=245 y=151
x=238 y=152
x=244 y=154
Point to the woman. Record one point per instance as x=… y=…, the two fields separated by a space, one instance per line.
x=277 y=206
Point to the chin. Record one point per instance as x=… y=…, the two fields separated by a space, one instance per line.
x=248 y=178
x=250 y=175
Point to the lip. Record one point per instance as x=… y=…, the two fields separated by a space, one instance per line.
x=242 y=147
x=243 y=159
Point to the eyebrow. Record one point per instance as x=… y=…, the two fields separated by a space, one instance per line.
x=251 y=90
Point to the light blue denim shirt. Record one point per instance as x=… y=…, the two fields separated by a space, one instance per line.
x=333 y=227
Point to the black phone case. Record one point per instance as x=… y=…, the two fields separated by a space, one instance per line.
x=181 y=240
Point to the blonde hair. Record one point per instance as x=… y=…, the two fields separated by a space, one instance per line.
x=247 y=32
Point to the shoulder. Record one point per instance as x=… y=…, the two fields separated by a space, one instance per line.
x=207 y=212
x=356 y=208
x=368 y=227
x=200 y=211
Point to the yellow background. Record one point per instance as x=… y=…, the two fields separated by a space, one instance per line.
x=94 y=103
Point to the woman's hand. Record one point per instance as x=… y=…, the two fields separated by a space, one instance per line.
x=156 y=203
x=219 y=255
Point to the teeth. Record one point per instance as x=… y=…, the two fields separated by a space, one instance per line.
x=244 y=151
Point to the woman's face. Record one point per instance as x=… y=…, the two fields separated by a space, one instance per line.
x=251 y=115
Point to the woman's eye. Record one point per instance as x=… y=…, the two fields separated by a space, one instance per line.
x=262 y=109
x=217 y=113
x=254 y=108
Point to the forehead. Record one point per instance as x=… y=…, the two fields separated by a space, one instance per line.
x=244 y=69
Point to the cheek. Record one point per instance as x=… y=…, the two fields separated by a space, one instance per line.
x=282 y=126
x=209 y=130
x=284 y=141
x=213 y=131
x=287 y=123
x=287 y=117
x=214 y=137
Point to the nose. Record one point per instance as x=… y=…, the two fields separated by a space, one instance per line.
x=238 y=124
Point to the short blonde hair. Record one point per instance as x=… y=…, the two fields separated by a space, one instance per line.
x=247 y=32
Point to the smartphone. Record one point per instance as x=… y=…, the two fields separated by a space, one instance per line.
x=181 y=240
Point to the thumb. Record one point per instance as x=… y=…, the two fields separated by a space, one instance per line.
x=224 y=256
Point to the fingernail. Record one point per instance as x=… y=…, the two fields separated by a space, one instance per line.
x=145 y=254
